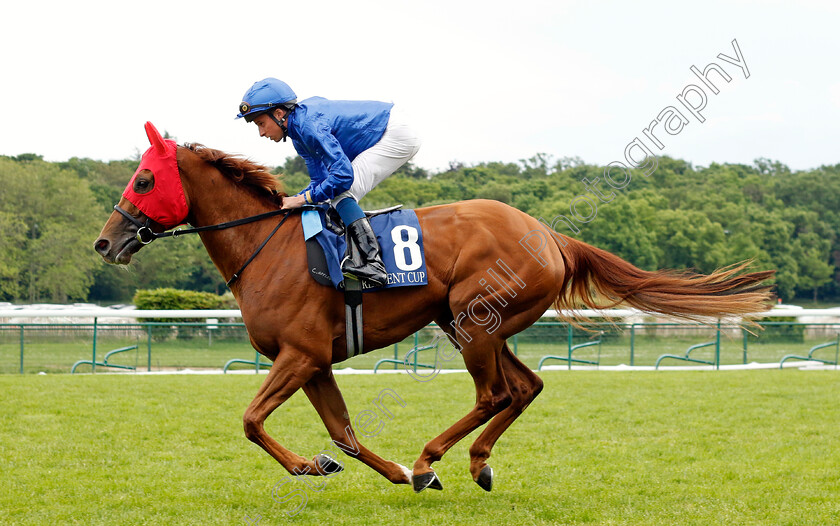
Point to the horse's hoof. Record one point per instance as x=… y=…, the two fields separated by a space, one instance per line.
x=426 y=480
x=485 y=478
x=326 y=465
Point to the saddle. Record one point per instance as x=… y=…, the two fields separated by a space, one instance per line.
x=400 y=238
x=398 y=233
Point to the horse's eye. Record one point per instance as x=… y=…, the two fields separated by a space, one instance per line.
x=143 y=184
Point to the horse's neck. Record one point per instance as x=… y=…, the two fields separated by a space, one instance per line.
x=224 y=201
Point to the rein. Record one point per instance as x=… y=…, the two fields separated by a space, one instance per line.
x=146 y=235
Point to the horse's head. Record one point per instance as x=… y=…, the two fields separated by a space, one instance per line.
x=154 y=200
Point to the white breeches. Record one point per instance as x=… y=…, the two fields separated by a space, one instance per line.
x=397 y=146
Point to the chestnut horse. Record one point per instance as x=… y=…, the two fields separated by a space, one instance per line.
x=300 y=325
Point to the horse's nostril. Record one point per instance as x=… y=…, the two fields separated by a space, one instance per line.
x=102 y=246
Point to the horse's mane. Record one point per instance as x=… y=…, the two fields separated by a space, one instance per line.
x=241 y=170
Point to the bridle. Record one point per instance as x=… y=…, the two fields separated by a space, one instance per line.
x=146 y=235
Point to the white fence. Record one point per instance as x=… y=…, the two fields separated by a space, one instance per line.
x=87 y=313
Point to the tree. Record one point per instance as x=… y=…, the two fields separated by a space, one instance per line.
x=688 y=239
x=12 y=255
x=53 y=219
x=619 y=229
x=812 y=254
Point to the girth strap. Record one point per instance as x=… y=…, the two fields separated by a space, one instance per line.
x=354 y=329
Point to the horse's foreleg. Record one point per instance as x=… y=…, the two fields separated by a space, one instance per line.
x=524 y=387
x=325 y=396
x=288 y=374
x=492 y=396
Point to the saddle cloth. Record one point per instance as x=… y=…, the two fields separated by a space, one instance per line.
x=399 y=235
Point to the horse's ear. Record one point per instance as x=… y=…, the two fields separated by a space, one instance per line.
x=155 y=138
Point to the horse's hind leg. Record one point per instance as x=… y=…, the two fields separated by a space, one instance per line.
x=524 y=386
x=325 y=396
x=492 y=396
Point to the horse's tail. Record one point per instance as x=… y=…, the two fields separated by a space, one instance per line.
x=725 y=292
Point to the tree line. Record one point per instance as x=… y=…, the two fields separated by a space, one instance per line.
x=678 y=216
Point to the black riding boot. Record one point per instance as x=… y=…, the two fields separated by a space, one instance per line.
x=364 y=259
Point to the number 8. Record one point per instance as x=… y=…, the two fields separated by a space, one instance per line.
x=411 y=244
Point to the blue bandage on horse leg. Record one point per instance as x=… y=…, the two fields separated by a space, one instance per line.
x=349 y=210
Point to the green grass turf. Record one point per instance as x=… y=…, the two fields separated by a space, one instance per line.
x=746 y=447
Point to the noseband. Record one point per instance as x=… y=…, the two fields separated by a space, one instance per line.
x=146 y=235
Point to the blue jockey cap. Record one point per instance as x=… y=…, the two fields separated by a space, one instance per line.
x=263 y=96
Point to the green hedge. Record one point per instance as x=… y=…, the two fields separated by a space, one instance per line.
x=174 y=299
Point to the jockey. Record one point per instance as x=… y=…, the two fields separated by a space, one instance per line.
x=348 y=146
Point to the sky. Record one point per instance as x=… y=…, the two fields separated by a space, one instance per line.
x=481 y=81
